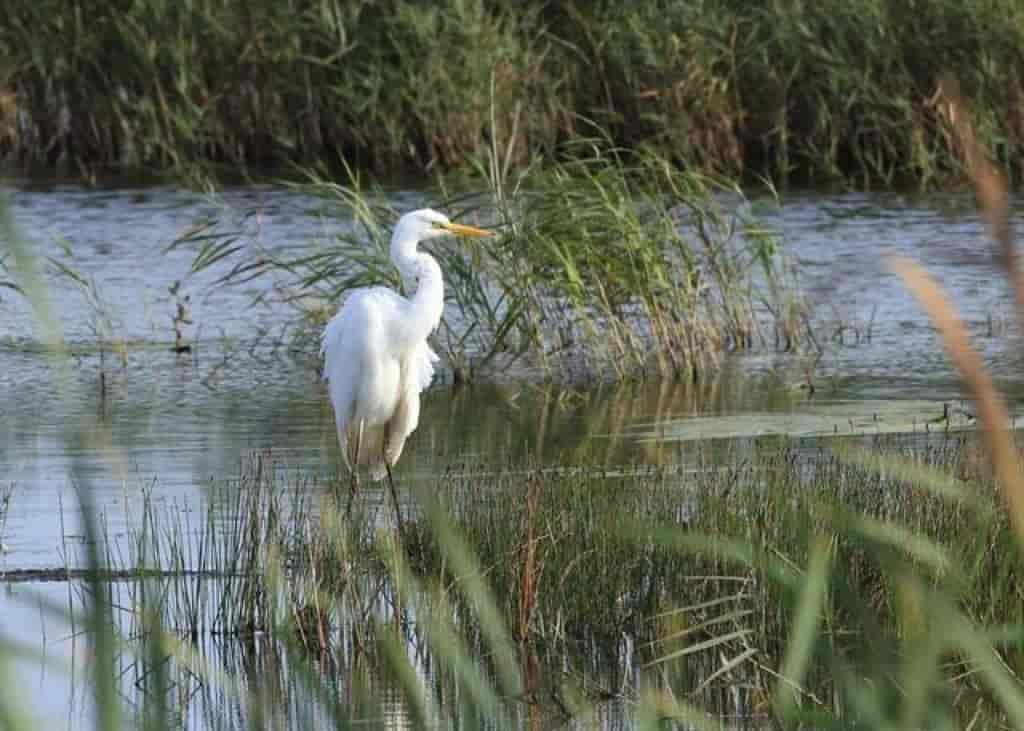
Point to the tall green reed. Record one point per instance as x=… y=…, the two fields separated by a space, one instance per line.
x=609 y=263
x=788 y=90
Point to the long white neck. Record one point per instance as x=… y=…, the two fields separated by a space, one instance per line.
x=427 y=302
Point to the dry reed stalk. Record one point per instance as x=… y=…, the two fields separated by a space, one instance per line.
x=990 y=187
x=992 y=412
x=528 y=578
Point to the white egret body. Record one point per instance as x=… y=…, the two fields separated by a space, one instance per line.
x=376 y=357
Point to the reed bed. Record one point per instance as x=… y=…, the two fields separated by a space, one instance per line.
x=610 y=264
x=786 y=90
x=587 y=560
x=560 y=591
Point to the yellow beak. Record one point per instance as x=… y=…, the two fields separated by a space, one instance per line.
x=460 y=229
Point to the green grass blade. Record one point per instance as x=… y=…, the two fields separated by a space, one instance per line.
x=806 y=624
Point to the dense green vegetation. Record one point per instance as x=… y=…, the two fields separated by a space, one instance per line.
x=869 y=583
x=785 y=89
x=607 y=265
x=542 y=589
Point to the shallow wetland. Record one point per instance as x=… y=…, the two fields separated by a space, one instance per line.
x=582 y=502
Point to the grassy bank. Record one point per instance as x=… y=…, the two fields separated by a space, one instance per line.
x=788 y=90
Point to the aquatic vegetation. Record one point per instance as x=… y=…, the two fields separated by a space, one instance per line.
x=565 y=589
x=6 y=493
x=103 y=318
x=818 y=417
x=633 y=264
x=868 y=582
x=785 y=90
x=182 y=316
x=7 y=283
x=608 y=264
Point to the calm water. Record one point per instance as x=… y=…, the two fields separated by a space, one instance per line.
x=182 y=421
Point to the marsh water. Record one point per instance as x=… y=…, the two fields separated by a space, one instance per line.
x=182 y=421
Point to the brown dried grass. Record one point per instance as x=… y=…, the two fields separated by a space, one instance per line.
x=991 y=189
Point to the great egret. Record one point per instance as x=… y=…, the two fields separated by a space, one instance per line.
x=376 y=357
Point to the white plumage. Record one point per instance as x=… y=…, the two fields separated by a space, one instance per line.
x=376 y=357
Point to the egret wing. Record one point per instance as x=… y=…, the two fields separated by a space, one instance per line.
x=417 y=373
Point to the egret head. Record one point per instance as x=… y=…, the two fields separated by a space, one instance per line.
x=426 y=224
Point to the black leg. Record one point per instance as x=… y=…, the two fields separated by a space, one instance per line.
x=394 y=495
x=354 y=466
x=352 y=490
